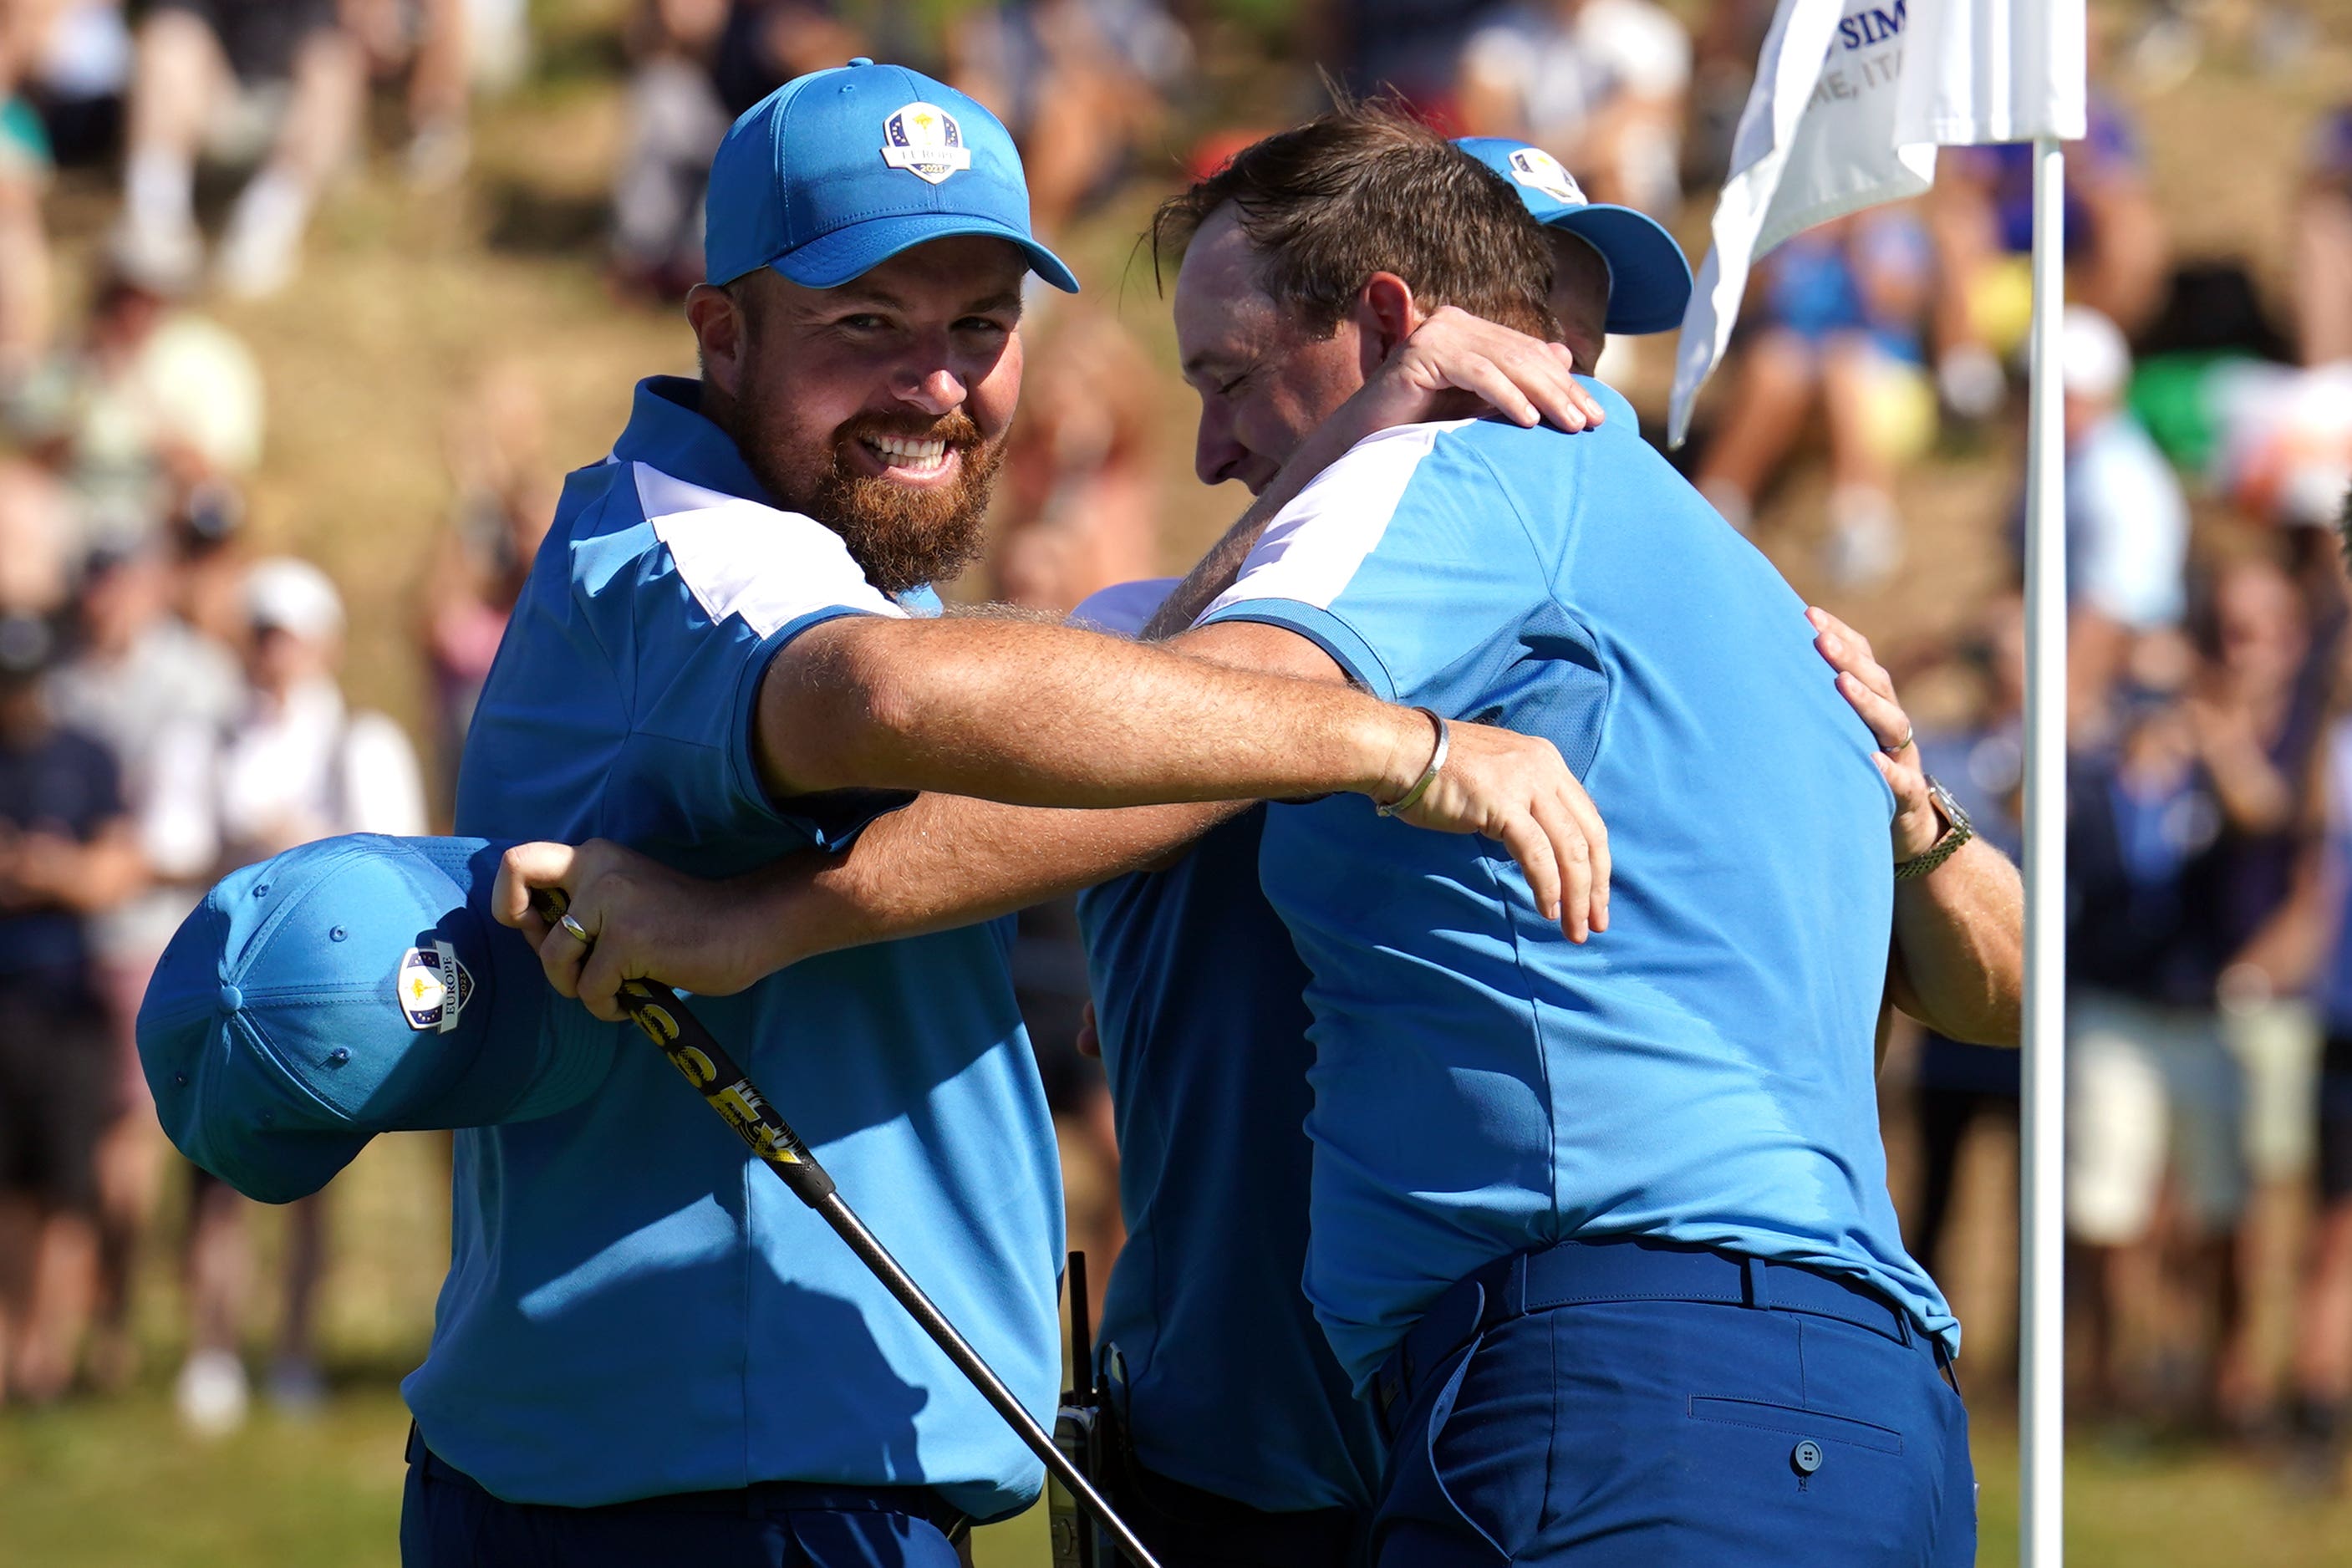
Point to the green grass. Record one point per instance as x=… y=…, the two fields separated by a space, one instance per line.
x=116 y=1485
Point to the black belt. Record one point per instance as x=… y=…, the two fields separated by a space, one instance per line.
x=757 y=1500
x=1576 y=1273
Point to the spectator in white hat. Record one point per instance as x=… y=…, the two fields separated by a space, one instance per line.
x=2126 y=519
x=295 y=765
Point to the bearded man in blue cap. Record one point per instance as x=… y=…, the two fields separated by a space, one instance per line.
x=727 y=650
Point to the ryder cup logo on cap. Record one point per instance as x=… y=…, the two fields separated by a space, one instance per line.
x=834 y=173
x=349 y=987
x=1648 y=277
x=434 y=987
x=1534 y=166
x=924 y=140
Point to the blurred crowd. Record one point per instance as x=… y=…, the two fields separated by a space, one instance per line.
x=170 y=703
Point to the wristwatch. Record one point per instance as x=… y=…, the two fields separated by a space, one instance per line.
x=1958 y=830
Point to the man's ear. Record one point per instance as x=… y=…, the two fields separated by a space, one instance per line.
x=1385 y=315
x=719 y=335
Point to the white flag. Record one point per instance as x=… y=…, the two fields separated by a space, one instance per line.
x=1836 y=123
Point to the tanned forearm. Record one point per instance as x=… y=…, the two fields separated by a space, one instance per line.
x=948 y=862
x=1053 y=716
x=1959 y=947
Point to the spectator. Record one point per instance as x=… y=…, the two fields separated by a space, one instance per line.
x=1981 y=213
x=24 y=291
x=422 y=45
x=282 y=78
x=1602 y=85
x=2126 y=519
x=675 y=120
x=153 y=405
x=66 y=851
x=2323 y=245
x=1409 y=47
x=2256 y=714
x=698 y=64
x=36 y=539
x=135 y=672
x=1844 y=308
x=1082 y=84
x=294 y=764
x=2152 y=1085
x=2323 y=1353
x=71 y=60
x=505 y=498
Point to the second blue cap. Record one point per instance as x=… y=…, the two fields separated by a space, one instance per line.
x=838 y=171
x=1649 y=277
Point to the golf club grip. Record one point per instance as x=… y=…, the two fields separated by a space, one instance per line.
x=894 y=1279
x=703 y=1062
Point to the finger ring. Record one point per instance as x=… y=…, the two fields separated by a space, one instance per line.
x=1902 y=745
x=575 y=928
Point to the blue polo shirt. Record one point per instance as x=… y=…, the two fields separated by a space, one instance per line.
x=1701 y=1072
x=1225 y=1380
x=635 y=1306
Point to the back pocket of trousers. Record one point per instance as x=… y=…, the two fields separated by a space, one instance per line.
x=1796 y=1423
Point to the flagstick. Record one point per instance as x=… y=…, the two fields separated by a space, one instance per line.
x=2041 y=1315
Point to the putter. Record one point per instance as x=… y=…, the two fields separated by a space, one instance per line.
x=655 y=1009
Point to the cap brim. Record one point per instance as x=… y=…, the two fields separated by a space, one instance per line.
x=830 y=260
x=1649 y=277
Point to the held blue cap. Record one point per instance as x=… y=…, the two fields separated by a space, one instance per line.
x=836 y=172
x=1649 y=277
x=349 y=987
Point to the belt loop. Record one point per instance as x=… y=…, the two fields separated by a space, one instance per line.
x=1514 y=1303
x=1759 y=1294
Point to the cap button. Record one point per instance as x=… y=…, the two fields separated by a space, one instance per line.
x=337 y=1056
x=231 y=998
x=862 y=60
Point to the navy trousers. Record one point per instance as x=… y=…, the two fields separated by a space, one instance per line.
x=1188 y=1528
x=447 y=1520
x=1577 y=1413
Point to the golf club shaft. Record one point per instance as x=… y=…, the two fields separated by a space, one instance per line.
x=655 y=1009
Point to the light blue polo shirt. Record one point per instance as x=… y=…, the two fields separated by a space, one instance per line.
x=1702 y=1071
x=635 y=1306
x=1225 y=1380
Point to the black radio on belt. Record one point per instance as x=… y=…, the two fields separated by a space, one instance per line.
x=1079 y=1432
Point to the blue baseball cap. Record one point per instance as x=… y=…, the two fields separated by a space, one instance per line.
x=836 y=172
x=349 y=987
x=1649 y=277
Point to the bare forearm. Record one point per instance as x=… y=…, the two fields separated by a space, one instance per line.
x=1052 y=716
x=1960 y=940
x=948 y=862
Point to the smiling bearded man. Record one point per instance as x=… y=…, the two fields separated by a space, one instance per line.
x=646 y=1350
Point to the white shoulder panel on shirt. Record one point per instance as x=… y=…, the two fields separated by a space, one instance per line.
x=738 y=557
x=1313 y=547
x=1124 y=609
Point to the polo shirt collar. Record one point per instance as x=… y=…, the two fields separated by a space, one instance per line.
x=668 y=431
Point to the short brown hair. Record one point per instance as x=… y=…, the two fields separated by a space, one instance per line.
x=1363 y=188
